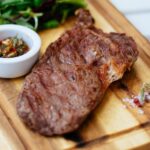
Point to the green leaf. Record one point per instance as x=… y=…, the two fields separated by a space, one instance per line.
x=80 y=3
x=29 y=13
x=4 y=21
x=8 y=3
x=7 y=14
x=51 y=24
x=37 y=3
x=22 y=21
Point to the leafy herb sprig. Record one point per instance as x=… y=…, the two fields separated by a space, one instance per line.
x=38 y=14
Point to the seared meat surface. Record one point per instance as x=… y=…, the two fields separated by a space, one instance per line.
x=70 y=79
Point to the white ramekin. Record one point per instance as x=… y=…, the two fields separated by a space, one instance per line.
x=21 y=65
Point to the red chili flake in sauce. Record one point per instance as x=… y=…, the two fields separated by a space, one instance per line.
x=12 y=47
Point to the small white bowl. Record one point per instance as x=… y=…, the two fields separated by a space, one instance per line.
x=20 y=65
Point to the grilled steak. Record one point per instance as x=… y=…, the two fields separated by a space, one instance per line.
x=70 y=79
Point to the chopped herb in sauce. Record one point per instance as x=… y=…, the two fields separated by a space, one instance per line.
x=12 y=47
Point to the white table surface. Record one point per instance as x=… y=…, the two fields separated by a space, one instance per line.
x=138 y=13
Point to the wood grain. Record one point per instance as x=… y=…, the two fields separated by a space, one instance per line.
x=8 y=137
x=110 y=126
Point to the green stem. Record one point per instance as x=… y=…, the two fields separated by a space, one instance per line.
x=35 y=22
x=73 y=2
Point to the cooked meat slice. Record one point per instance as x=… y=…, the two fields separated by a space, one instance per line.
x=70 y=79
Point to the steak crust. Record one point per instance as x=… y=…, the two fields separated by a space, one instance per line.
x=70 y=79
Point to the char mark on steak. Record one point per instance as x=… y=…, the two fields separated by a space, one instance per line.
x=70 y=79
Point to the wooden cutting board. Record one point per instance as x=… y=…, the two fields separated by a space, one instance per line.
x=110 y=126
